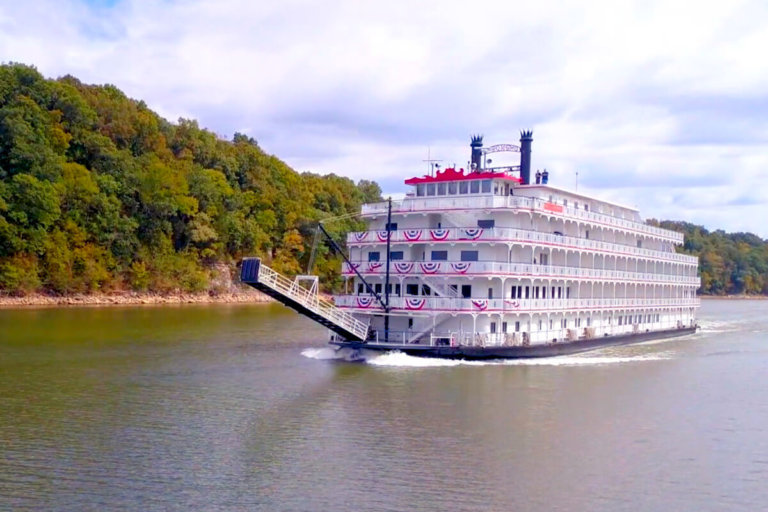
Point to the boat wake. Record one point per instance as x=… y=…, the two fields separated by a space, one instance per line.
x=401 y=360
x=714 y=326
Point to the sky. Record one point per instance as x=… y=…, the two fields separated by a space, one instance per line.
x=660 y=105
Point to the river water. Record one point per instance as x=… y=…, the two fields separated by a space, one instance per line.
x=219 y=408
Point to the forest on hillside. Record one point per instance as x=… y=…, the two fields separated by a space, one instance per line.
x=98 y=193
x=729 y=263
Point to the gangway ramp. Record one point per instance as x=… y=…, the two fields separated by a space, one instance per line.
x=306 y=301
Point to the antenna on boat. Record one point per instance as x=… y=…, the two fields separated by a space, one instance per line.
x=431 y=162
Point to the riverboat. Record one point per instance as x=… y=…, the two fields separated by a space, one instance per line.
x=496 y=262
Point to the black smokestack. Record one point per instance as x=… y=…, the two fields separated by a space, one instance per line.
x=477 y=151
x=526 y=138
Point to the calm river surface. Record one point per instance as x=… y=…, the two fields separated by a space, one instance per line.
x=213 y=408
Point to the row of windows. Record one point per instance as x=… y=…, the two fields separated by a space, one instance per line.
x=538 y=292
x=461 y=187
x=436 y=256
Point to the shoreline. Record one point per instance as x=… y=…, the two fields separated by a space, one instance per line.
x=733 y=297
x=238 y=296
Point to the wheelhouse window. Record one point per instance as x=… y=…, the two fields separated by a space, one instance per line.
x=474 y=187
x=464 y=187
x=452 y=188
x=420 y=189
x=430 y=189
x=441 y=189
x=486 y=186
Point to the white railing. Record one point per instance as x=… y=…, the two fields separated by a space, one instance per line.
x=479 y=306
x=496 y=269
x=512 y=235
x=427 y=204
x=310 y=300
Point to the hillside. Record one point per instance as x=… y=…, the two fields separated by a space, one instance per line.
x=729 y=263
x=98 y=193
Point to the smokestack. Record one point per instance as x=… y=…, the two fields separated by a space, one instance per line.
x=526 y=138
x=477 y=151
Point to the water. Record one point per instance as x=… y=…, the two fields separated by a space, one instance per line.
x=221 y=408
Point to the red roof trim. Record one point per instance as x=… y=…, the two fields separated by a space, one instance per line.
x=451 y=174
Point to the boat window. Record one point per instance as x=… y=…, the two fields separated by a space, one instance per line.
x=420 y=189
x=411 y=289
x=486 y=186
x=517 y=326
x=493 y=327
x=565 y=202
x=373 y=256
x=640 y=243
x=503 y=326
x=586 y=234
x=490 y=293
x=397 y=290
x=452 y=188
x=430 y=189
x=441 y=189
x=426 y=290
x=495 y=188
x=464 y=187
x=439 y=255
x=360 y=288
x=377 y=287
x=466 y=291
x=396 y=255
x=468 y=255
x=586 y=207
x=392 y=226
x=527 y=292
x=474 y=187
x=486 y=223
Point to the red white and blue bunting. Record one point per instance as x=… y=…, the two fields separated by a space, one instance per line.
x=472 y=233
x=412 y=235
x=364 y=302
x=480 y=304
x=383 y=235
x=512 y=303
x=374 y=266
x=430 y=267
x=415 y=303
x=460 y=268
x=360 y=236
x=439 y=234
x=403 y=267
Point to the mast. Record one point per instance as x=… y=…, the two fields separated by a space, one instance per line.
x=386 y=280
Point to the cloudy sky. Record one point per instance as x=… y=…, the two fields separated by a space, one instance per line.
x=661 y=105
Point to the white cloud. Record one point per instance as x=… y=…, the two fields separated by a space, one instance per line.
x=667 y=94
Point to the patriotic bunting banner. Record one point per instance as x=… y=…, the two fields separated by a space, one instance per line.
x=417 y=303
x=360 y=236
x=383 y=235
x=374 y=266
x=412 y=235
x=364 y=302
x=472 y=233
x=461 y=268
x=429 y=267
x=402 y=267
x=439 y=234
x=480 y=304
x=513 y=303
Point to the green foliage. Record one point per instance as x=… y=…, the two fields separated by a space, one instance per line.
x=97 y=192
x=730 y=263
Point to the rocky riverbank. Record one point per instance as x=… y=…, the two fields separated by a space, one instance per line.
x=235 y=295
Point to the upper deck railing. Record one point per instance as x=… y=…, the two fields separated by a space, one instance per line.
x=403 y=268
x=488 y=201
x=507 y=235
x=460 y=305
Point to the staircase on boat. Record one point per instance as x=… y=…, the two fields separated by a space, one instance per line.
x=304 y=300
